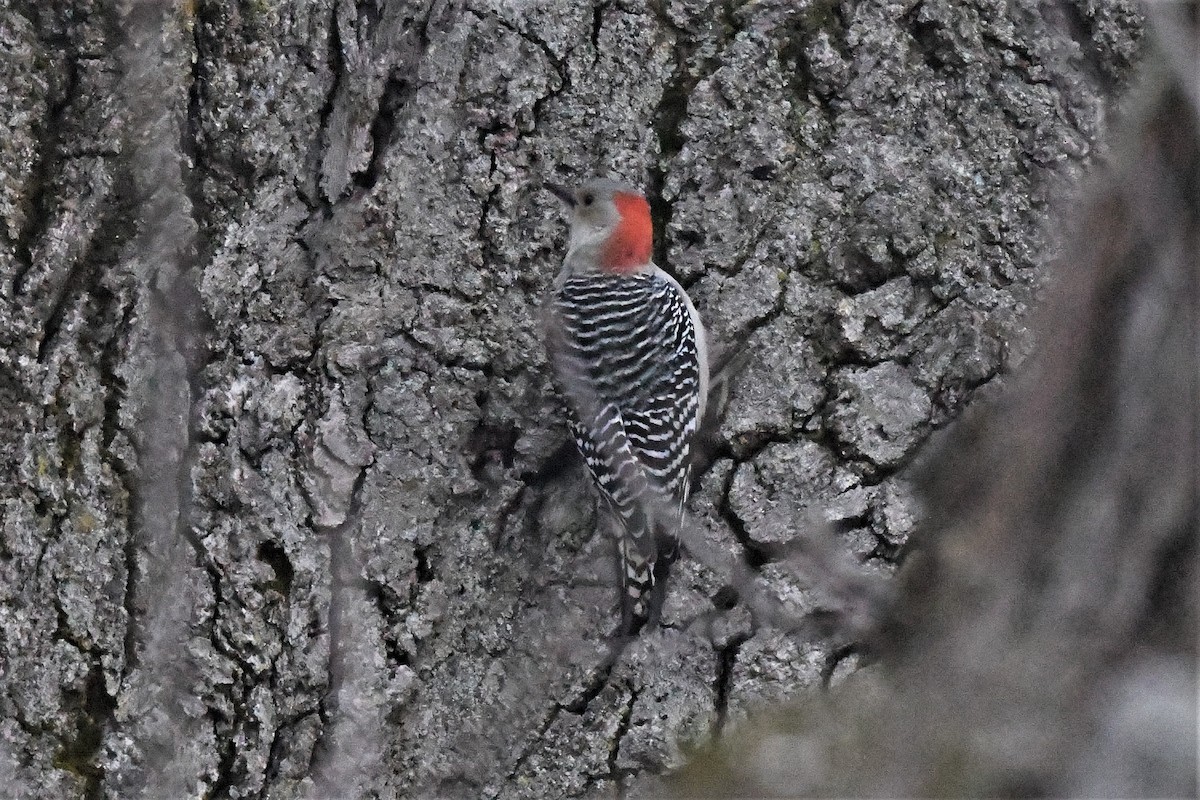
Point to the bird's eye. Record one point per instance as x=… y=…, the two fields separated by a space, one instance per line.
x=588 y=199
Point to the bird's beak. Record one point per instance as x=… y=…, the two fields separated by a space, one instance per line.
x=561 y=192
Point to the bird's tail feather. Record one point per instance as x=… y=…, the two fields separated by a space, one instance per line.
x=646 y=550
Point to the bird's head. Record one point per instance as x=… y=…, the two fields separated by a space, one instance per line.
x=610 y=226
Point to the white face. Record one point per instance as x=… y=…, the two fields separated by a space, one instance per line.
x=593 y=216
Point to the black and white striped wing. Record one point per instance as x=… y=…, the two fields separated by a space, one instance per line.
x=630 y=347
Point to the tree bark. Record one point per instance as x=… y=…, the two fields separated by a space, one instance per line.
x=287 y=513
x=1043 y=641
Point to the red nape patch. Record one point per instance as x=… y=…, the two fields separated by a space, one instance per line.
x=632 y=241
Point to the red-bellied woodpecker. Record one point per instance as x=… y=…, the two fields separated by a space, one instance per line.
x=629 y=355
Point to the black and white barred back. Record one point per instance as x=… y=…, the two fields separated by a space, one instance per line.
x=628 y=366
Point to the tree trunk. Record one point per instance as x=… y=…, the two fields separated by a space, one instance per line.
x=287 y=512
x=1044 y=638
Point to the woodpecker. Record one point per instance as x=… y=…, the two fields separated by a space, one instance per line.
x=631 y=364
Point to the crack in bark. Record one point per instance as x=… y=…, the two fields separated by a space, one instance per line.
x=598 y=11
x=242 y=717
x=670 y=114
x=754 y=324
x=381 y=597
x=41 y=183
x=78 y=754
x=228 y=772
x=599 y=677
x=335 y=62
x=624 y=723
x=487 y=246
x=398 y=89
x=274 y=752
x=596 y=682
x=532 y=744
x=84 y=274
x=756 y=555
x=126 y=473
x=396 y=94
x=726 y=661
x=559 y=63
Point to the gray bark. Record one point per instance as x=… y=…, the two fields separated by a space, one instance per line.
x=286 y=513
x=1043 y=641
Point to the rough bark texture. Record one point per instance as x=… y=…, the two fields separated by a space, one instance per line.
x=283 y=514
x=1044 y=640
